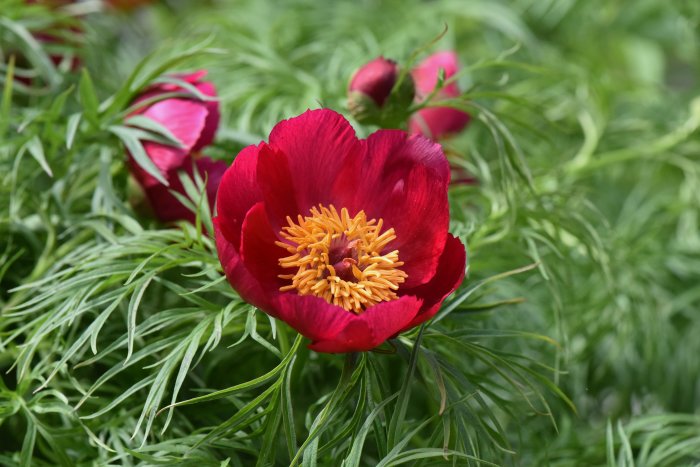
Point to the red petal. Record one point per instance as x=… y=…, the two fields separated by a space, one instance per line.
x=418 y=211
x=391 y=154
x=277 y=186
x=238 y=192
x=404 y=181
x=449 y=276
x=400 y=179
x=333 y=329
x=238 y=276
x=258 y=250
x=318 y=146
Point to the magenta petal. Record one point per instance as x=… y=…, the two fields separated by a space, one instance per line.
x=333 y=329
x=450 y=273
x=239 y=277
x=258 y=249
x=238 y=192
x=183 y=117
x=185 y=120
x=166 y=159
x=210 y=126
x=318 y=145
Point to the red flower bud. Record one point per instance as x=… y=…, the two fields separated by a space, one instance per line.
x=375 y=79
x=370 y=97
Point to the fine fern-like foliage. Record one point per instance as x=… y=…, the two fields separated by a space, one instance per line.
x=570 y=342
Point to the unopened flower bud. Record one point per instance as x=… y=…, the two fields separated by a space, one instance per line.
x=437 y=122
x=375 y=98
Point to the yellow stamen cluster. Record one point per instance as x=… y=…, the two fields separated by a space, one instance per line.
x=339 y=258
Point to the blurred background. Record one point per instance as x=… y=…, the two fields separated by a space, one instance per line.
x=585 y=146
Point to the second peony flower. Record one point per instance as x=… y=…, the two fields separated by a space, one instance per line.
x=344 y=239
x=193 y=122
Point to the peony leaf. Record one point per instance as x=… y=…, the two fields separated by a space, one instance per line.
x=36 y=149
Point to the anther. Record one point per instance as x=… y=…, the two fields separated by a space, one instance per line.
x=339 y=258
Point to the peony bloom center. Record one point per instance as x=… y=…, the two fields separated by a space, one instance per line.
x=340 y=258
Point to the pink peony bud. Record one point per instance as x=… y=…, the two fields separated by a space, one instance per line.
x=436 y=122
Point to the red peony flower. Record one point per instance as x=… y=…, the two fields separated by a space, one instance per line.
x=436 y=122
x=193 y=122
x=344 y=239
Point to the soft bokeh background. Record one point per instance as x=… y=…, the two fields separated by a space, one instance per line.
x=585 y=143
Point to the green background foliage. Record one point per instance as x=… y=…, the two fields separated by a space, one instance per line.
x=573 y=340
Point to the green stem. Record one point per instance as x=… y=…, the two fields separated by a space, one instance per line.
x=336 y=397
x=282 y=337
